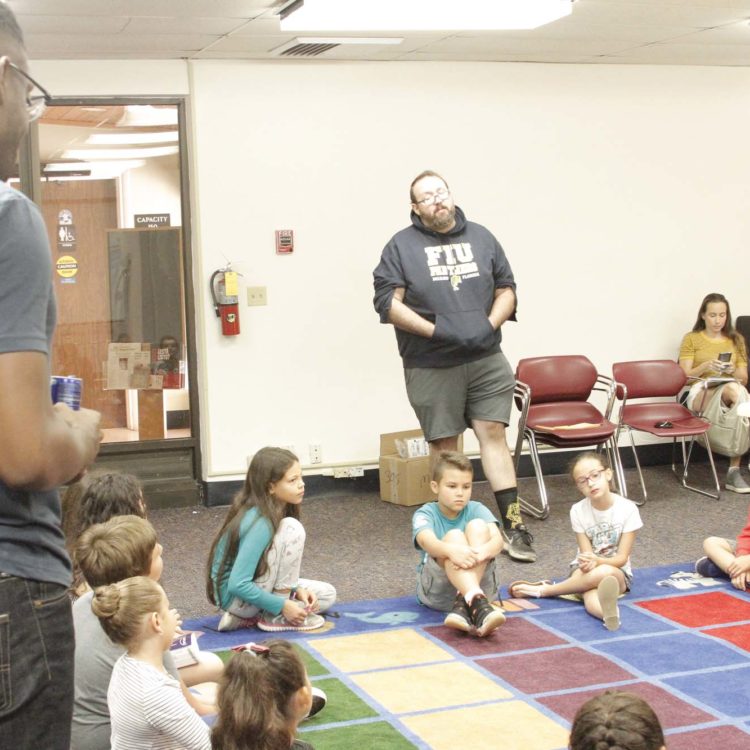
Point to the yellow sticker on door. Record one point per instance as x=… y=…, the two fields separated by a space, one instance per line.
x=67 y=266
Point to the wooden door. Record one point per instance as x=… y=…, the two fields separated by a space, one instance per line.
x=78 y=214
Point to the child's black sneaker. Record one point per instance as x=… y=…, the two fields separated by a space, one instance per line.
x=459 y=618
x=707 y=568
x=484 y=616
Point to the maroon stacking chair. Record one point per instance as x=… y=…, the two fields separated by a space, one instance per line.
x=553 y=395
x=652 y=381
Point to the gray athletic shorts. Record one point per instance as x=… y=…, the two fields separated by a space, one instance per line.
x=447 y=399
x=436 y=592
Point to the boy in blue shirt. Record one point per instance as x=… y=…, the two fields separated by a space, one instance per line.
x=460 y=539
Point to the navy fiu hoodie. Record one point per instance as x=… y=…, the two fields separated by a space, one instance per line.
x=450 y=279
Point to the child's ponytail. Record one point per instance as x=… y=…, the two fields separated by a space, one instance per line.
x=254 y=699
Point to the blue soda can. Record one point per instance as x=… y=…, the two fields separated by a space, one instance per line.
x=66 y=389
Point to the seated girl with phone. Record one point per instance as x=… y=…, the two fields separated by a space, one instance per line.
x=713 y=349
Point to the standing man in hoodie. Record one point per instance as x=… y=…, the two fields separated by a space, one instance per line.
x=445 y=285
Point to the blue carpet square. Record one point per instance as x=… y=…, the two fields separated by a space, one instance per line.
x=680 y=652
x=726 y=693
x=576 y=624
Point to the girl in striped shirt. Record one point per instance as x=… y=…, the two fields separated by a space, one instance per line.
x=147 y=708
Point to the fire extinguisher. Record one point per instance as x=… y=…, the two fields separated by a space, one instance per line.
x=226 y=306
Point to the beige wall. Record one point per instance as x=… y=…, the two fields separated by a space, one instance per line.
x=619 y=193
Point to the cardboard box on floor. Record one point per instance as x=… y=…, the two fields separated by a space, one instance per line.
x=404 y=481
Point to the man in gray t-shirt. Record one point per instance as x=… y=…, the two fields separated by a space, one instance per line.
x=41 y=447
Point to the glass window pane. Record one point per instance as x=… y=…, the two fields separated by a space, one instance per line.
x=111 y=201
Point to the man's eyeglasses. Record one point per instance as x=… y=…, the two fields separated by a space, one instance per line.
x=35 y=103
x=439 y=195
x=594 y=477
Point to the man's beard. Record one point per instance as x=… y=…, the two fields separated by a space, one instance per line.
x=442 y=221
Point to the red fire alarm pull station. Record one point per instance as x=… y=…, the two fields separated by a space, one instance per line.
x=284 y=241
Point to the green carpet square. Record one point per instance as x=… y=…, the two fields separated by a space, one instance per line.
x=343 y=704
x=312 y=665
x=378 y=735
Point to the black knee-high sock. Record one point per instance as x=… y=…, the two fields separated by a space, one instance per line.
x=510 y=510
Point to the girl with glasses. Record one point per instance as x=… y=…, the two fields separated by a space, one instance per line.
x=605 y=524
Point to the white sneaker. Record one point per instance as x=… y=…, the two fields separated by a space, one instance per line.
x=277 y=623
x=319 y=700
x=232 y=622
x=736 y=483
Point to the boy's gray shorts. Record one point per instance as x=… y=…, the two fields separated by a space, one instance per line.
x=436 y=592
x=447 y=399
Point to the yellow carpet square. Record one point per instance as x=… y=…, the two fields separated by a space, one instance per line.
x=392 y=648
x=512 y=725
x=434 y=686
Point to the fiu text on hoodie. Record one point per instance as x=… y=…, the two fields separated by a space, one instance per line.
x=450 y=279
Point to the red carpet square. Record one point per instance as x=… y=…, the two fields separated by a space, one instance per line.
x=737 y=634
x=726 y=738
x=672 y=711
x=700 y=610
x=558 y=669
x=517 y=634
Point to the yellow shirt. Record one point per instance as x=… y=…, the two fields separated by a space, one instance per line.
x=700 y=348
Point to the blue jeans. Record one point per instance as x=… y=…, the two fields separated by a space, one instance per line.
x=36 y=664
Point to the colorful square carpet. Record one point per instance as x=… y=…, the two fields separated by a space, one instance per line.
x=396 y=678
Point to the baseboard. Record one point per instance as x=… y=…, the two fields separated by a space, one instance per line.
x=553 y=462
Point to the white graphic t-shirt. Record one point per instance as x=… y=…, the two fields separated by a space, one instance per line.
x=604 y=528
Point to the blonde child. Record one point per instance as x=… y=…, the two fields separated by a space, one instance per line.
x=146 y=705
x=123 y=547
x=255 y=559
x=460 y=540
x=264 y=695
x=616 y=720
x=605 y=525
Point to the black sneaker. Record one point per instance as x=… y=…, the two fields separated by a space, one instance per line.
x=484 y=616
x=707 y=568
x=518 y=544
x=459 y=618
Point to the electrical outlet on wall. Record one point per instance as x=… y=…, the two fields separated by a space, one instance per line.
x=257 y=295
x=316 y=453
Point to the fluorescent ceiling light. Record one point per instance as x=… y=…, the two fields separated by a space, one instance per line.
x=67 y=166
x=146 y=115
x=351 y=40
x=118 y=139
x=118 y=153
x=98 y=170
x=423 y=15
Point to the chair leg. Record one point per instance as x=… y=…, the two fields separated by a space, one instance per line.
x=686 y=456
x=638 y=468
x=540 y=511
x=616 y=462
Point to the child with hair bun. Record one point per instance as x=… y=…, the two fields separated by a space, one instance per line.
x=146 y=705
x=616 y=721
x=263 y=696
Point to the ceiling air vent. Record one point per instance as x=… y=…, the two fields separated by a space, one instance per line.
x=312 y=46
x=306 y=49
